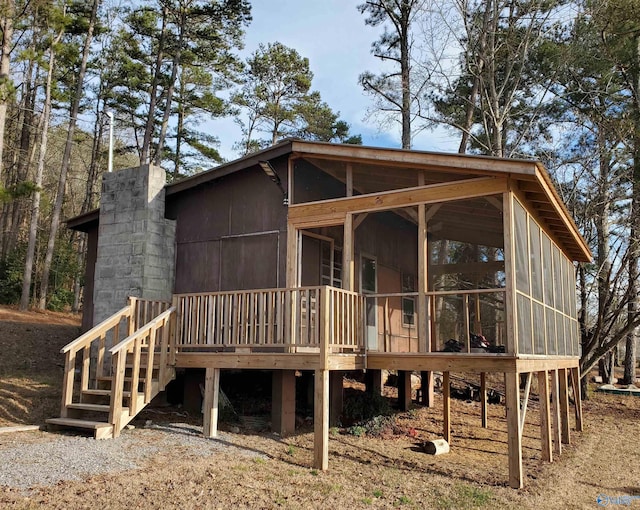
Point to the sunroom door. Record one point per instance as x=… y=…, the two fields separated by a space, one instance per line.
x=369 y=285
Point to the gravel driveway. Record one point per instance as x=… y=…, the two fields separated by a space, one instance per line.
x=36 y=459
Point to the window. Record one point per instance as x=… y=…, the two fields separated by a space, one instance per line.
x=408 y=302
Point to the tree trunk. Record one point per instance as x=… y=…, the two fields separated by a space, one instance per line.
x=405 y=12
x=634 y=238
x=153 y=93
x=7 y=12
x=66 y=159
x=35 y=208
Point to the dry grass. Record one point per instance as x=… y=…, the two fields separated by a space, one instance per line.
x=388 y=471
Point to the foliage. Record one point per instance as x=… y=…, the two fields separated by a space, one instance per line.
x=11 y=276
x=276 y=101
x=366 y=413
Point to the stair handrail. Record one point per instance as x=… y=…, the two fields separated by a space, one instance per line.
x=83 y=343
x=95 y=331
x=119 y=357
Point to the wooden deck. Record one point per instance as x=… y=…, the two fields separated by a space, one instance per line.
x=320 y=329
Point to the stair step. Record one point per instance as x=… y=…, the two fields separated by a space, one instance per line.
x=102 y=430
x=104 y=393
x=101 y=408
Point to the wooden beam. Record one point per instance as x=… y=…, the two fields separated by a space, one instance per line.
x=563 y=394
x=483 y=399
x=210 y=406
x=423 y=260
x=443 y=192
x=442 y=362
x=512 y=397
x=292 y=257
x=525 y=402
x=290 y=179
x=424 y=160
x=577 y=396
x=348 y=255
x=336 y=394
x=349 y=183
x=431 y=212
x=283 y=402
x=404 y=390
x=321 y=420
x=426 y=388
x=359 y=219
x=446 y=407
x=545 y=416
x=510 y=273
x=555 y=411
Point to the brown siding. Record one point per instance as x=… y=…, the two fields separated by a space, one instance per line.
x=231 y=233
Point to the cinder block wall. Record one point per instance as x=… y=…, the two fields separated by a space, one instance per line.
x=136 y=244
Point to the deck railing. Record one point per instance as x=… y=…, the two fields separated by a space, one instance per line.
x=284 y=320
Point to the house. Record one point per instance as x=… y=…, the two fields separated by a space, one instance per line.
x=320 y=257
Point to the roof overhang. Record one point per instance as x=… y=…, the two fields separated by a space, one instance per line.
x=532 y=178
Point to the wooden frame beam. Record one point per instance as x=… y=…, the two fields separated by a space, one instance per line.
x=563 y=394
x=545 y=416
x=321 y=420
x=512 y=397
x=446 y=407
x=336 y=209
x=210 y=405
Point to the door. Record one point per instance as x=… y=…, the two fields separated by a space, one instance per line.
x=369 y=285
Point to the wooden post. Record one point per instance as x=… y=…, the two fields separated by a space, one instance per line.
x=426 y=388
x=117 y=389
x=424 y=326
x=483 y=399
x=210 y=406
x=446 y=407
x=321 y=420
x=348 y=255
x=577 y=395
x=336 y=394
x=404 y=390
x=555 y=411
x=292 y=257
x=545 y=416
x=512 y=397
x=510 y=273
x=283 y=407
x=67 y=384
x=563 y=395
x=373 y=381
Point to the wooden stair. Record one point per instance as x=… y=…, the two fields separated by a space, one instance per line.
x=140 y=368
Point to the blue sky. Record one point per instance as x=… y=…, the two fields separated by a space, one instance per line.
x=333 y=36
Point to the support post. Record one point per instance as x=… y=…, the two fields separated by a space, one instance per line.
x=404 y=390
x=373 y=381
x=483 y=399
x=426 y=388
x=512 y=396
x=446 y=407
x=336 y=393
x=321 y=420
x=210 y=407
x=545 y=416
x=555 y=411
x=577 y=395
x=348 y=266
x=564 y=406
x=283 y=398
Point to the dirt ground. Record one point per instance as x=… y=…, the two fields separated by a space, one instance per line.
x=388 y=471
